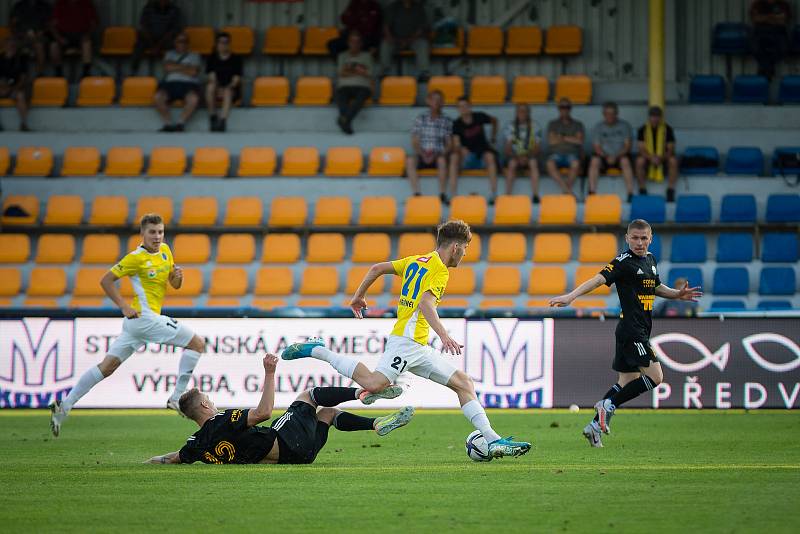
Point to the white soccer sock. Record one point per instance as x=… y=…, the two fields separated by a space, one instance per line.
x=187 y=364
x=477 y=416
x=87 y=381
x=345 y=365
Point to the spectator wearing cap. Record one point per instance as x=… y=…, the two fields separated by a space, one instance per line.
x=612 y=139
x=565 y=139
x=656 y=141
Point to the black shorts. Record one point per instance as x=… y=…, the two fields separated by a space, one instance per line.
x=73 y=40
x=422 y=164
x=178 y=90
x=617 y=165
x=300 y=433
x=632 y=354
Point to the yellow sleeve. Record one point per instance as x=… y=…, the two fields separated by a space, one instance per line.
x=436 y=283
x=400 y=265
x=126 y=266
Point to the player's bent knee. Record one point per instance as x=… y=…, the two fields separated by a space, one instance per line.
x=460 y=381
x=109 y=365
x=327 y=415
x=197 y=344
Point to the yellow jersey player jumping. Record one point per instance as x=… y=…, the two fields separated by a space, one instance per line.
x=424 y=278
x=150 y=267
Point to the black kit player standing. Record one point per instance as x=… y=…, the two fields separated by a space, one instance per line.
x=636 y=276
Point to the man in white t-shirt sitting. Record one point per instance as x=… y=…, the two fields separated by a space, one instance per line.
x=182 y=82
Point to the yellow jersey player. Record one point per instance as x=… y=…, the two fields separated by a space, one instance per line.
x=150 y=267
x=424 y=279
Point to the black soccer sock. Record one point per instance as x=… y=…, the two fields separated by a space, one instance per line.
x=632 y=390
x=333 y=396
x=616 y=388
x=349 y=422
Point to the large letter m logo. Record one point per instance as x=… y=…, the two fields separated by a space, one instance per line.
x=36 y=352
x=504 y=352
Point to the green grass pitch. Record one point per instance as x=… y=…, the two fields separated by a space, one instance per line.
x=664 y=472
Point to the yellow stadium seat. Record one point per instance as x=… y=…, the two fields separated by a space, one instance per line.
x=451 y=87
x=507 y=247
x=138 y=91
x=461 y=281
x=236 y=248
x=191 y=248
x=288 y=211
x=211 y=161
x=49 y=92
x=550 y=280
x=451 y=302
x=538 y=303
x=415 y=243
x=501 y=280
x=242 y=39
x=313 y=303
x=557 y=209
x=530 y=90
x=118 y=41
x=198 y=211
x=313 y=91
x=41 y=302
x=343 y=161
x=422 y=211
x=280 y=248
x=167 y=161
x=133 y=243
x=577 y=88
x=243 y=211
x=87 y=282
x=398 y=91
x=316 y=40
x=192 y=283
x=456 y=50
x=96 y=91
x=268 y=304
x=55 y=248
x=270 y=91
x=10 y=281
x=355 y=275
x=100 y=248
x=485 y=41
x=81 y=161
x=172 y=301
x=319 y=280
x=491 y=304
x=333 y=211
x=469 y=208
x=47 y=282
x=371 y=248
x=160 y=205
x=584 y=303
x=85 y=302
x=524 y=41
x=257 y=161
x=552 y=248
x=223 y=302
x=5 y=160
x=300 y=161
x=282 y=41
x=325 y=248
x=201 y=39
x=228 y=282
x=29 y=204
x=274 y=281
x=512 y=209
x=377 y=211
x=34 y=161
x=563 y=40
x=596 y=248
x=585 y=272
x=109 y=211
x=487 y=90
x=473 y=250
x=124 y=161
x=126 y=287
x=386 y=161
x=602 y=209
x=15 y=248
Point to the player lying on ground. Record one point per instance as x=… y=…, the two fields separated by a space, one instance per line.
x=424 y=280
x=296 y=437
x=636 y=277
x=150 y=266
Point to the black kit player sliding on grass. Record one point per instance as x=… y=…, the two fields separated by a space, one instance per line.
x=636 y=277
x=296 y=437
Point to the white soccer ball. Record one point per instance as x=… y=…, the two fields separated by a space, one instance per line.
x=574 y=408
x=477 y=447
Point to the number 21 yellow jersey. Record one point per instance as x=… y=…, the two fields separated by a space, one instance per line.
x=419 y=274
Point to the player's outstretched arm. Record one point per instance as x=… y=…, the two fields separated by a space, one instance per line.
x=427 y=305
x=587 y=287
x=263 y=411
x=684 y=293
x=359 y=300
x=169 y=458
x=108 y=283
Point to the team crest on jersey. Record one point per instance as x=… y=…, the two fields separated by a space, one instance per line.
x=424 y=259
x=654 y=270
x=151 y=273
x=164 y=256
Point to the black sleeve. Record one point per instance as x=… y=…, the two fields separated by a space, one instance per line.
x=640 y=134
x=482 y=118
x=211 y=63
x=457 y=127
x=670 y=134
x=237 y=66
x=237 y=419
x=613 y=271
x=190 y=454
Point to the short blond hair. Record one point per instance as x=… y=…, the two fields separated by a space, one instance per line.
x=150 y=218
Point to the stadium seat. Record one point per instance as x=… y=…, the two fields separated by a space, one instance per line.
x=242 y=39
x=777 y=281
x=789 y=90
x=451 y=87
x=109 y=211
x=549 y=280
x=692 y=274
x=87 y=282
x=10 y=281
x=133 y=243
x=780 y=247
x=412 y=243
x=49 y=92
x=700 y=160
x=450 y=51
x=281 y=41
x=124 y=161
x=473 y=253
x=461 y=281
x=485 y=41
x=585 y=272
x=228 y=282
x=198 y=211
x=602 y=209
x=501 y=280
x=735 y=248
x=243 y=211
x=774 y=305
x=268 y=304
x=236 y=248
x=398 y=91
x=750 y=89
x=738 y=208
x=377 y=211
x=487 y=90
x=192 y=287
x=371 y=248
x=649 y=207
x=313 y=91
x=316 y=40
x=270 y=91
x=386 y=161
x=27 y=206
x=523 y=41
x=507 y=247
x=55 y=248
x=333 y=211
x=557 y=209
x=344 y=161
x=63 y=210
x=496 y=304
x=47 y=282
x=512 y=209
x=34 y=161
x=160 y=205
x=746 y=160
x=14 y=248
x=693 y=209
x=730 y=38
x=5 y=160
x=325 y=248
x=469 y=208
x=727 y=305
x=100 y=248
x=96 y=91
x=530 y=90
x=138 y=91
x=577 y=88
x=300 y=161
x=597 y=248
x=781 y=164
x=731 y=281
x=319 y=280
x=118 y=41
x=355 y=275
x=192 y=248
x=280 y=248
x=422 y=211
x=211 y=161
x=707 y=89
x=81 y=161
x=167 y=161
x=563 y=40
x=688 y=248
x=552 y=248
x=257 y=161
x=655 y=247
x=783 y=208
x=288 y=211
x=201 y=39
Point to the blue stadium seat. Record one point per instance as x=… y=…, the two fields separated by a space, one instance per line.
x=651 y=208
x=779 y=247
x=655 y=247
x=789 y=91
x=777 y=281
x=750 y=89
x=738 y=208
x=794 y=45
x=727 y=305
x=731 y=281
x=688 y=248
x=730 y=38
x=693 y=274
x=734 y=248
x=747 y=160
x=785 y=167
x=770 y=305
x=693 y=209
x=700 y=160
x=707 y=89
x=783 y=208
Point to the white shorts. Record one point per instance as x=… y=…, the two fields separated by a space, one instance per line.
x=149 y=328
x=403 y=354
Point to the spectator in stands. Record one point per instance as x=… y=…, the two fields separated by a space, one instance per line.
x=771 y=20
x=363 y=16
x=159 y=23
x=406 y=27
x=612 y=139
x=182 y=82
x=355 y=83
x=565 y=141
x=29 y=20
x=224 y=71
x=72 y=27
x=656 y=151
x=471 y=150
x=523 y=139
x=430 y=139
x=14 y=79
x=677 y=308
